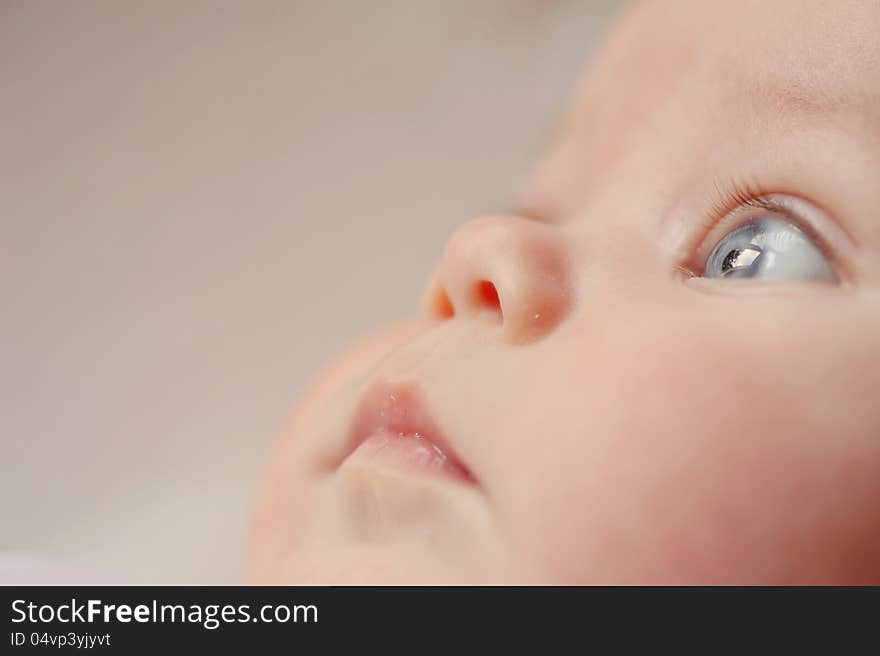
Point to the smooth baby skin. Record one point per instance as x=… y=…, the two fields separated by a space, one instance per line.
x=625 y=419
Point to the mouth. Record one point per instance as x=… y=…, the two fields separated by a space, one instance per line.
x=392 y=426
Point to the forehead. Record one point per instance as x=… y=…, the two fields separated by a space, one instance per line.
x=798 y=46
x=672 y=68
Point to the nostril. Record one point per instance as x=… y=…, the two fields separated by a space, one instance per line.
x=486 y=295
x=441 y=306
x=510 y=272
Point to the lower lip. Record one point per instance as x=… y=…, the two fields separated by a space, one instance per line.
x=411 y=452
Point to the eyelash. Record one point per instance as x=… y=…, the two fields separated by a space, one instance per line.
x=738 y=193
x=736 y=196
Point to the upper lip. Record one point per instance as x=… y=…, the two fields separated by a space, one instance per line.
x=397 y=408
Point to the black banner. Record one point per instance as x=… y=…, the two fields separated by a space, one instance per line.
x=151 y=619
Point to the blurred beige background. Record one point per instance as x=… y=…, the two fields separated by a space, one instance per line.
x=201 y=202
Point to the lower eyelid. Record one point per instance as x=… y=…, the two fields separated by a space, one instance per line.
x=721 y=286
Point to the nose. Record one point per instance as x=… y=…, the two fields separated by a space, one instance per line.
x=507 y=270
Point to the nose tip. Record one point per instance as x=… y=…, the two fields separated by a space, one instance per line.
x=507 y=270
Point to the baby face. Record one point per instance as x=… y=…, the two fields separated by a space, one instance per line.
x=662 y=369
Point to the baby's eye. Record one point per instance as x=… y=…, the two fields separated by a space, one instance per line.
x=768 y=248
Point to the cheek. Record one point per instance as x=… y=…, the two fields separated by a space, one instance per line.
x=708 y=454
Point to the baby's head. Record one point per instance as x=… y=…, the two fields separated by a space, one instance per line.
x=663 y=368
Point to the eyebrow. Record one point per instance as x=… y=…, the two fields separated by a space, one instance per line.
x=819 y=100
x=796 y=98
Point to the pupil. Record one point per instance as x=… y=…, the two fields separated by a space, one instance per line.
x=730 y=260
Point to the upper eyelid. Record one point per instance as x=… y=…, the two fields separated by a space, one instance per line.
x=730 y=197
